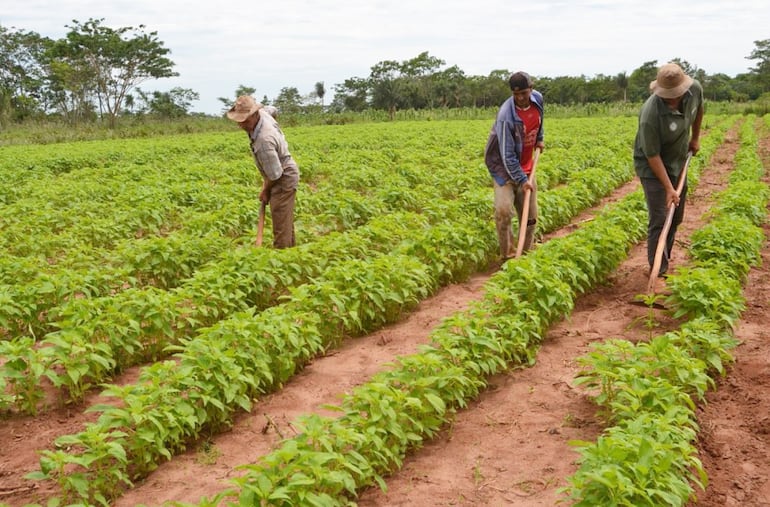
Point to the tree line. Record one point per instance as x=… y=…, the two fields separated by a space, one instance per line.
x=421 y=82
x=94 y=72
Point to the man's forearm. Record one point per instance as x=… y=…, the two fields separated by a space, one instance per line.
x=659 y=170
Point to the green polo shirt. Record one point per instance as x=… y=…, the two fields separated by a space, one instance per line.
x=665 y=132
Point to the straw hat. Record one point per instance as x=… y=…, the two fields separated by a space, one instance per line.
x=671 y=82
x=244 y=107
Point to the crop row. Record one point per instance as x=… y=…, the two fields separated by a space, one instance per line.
x=226 y=365
x=331 y=459
x=99 y=335
x=160 y=367
x=648 y=390
x=40 y=270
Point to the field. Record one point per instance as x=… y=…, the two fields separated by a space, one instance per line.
x=150 y=354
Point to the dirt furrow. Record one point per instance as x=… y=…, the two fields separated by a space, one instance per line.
x=511 y=446
x=735 y=422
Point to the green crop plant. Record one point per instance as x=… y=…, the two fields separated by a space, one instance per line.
x=219 y=352
x=102 y=453
x=648 y=457
x=24 y=365
x=707 y=292
x=647 y=461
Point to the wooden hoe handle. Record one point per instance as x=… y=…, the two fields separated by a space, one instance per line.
x=525 y=209
x=666 y=227
x=261 y=223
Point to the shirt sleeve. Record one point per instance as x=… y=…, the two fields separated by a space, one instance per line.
x=649 y=138
x=508 y=153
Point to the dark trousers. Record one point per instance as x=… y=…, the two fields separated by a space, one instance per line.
x=655 y=195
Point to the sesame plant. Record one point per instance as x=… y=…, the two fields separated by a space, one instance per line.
x=222 y=372
x=398 y=409
x=242 y=322
x=647 y=391
x=133 y=301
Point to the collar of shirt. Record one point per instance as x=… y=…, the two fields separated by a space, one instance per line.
x=686 y=96
x=254 y=133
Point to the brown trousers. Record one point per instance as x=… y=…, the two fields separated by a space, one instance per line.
x=282 y=211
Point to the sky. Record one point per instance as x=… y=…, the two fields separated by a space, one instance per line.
x=218 y=46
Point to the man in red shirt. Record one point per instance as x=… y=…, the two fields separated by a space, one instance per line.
x=516 y=133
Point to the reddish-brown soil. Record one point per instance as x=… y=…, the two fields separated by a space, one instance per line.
x=511 y=445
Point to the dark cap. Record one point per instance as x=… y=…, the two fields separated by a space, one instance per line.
x=520 y=81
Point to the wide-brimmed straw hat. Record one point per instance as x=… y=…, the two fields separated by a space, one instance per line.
x=244 y=107
x=671 y=82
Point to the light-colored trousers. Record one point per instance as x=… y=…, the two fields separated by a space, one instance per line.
x=510 y=197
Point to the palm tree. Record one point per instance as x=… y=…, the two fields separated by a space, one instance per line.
x=622 y=81
x=320 y=91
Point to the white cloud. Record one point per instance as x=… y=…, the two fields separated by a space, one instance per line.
x=217 y=46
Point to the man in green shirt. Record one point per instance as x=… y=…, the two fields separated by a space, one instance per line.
x=669 y=127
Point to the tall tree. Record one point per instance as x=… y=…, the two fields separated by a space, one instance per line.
x=70 y=85
x=449 y=87
x=762 y=70
x=640 y=79
x=621 y=81
x=718 y=87
x=417 y=76
x=320 y=92
x=493 y=89
x=22 y=76
x=351 y=95
x=386 y=86
x=288 y=100
x=174 y=103
x=117 y=60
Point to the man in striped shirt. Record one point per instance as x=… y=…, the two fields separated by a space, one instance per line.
x=280 y=173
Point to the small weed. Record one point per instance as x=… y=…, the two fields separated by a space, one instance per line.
x=208 y=453
x=651 y=301
x=478 y=476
